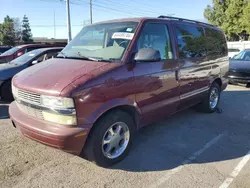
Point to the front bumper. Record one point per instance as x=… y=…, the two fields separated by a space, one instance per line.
x=69 y=139
x=241 y=80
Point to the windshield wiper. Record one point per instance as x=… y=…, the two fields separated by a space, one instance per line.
x=92 y=58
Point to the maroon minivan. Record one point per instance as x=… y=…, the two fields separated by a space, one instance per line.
x=115 y=77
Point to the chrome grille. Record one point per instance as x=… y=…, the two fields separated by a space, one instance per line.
x=30 y=111
x=28 y=97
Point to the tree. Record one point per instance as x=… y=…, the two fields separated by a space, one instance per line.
x=234 y=16
x=7 y=32
x=228 y=15
x=246 y=17
x=26 y=31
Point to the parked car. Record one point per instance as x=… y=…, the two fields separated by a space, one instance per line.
x=4 y=49
x=20 y=50
x=115 y=77
x=233 y=51
x=8 y=70
x=239 y=71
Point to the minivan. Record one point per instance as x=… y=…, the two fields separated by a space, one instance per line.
x=115 y=77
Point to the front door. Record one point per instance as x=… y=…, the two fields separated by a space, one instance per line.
x=156 y=82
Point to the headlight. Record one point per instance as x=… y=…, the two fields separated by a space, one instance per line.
x=57 y=102
x=14 y=90
x=58 y=118
x=62 y=107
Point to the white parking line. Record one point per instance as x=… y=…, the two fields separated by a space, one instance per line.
x=236 y=171
x=187 y=161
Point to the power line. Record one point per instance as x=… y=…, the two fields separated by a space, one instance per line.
x=112 y=9
x=130 y=6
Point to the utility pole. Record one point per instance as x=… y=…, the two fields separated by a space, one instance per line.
x=90 y=6
x=54 y=24
x=68 y=20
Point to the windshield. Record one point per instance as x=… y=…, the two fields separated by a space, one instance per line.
x=26 y=57
x=107 y=41
x=244 y=56
x=10 y=51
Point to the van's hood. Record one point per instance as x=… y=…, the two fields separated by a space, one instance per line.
x=52 y=76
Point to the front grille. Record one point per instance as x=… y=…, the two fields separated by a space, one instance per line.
x=31 y=111
x=28 y=97
x=239 y=74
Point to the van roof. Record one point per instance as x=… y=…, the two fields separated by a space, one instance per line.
x=139 y=19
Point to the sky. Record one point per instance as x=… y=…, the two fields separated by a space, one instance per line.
x=42 y=13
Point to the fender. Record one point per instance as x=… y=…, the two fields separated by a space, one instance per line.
x=109 y=105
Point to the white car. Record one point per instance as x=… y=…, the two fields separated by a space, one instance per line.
x=233 y=51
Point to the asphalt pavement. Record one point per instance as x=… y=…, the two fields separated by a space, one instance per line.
x=189 y=149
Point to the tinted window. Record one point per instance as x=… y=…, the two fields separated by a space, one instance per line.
x=216 y=42
x=191 y=41
x=32 y=48
x=11 y=51
x=51 y=54
x=26 y=57
x=156 y=36
x=244 y=55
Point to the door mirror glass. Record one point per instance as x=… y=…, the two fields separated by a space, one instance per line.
x=35 y=62
x=147 y=55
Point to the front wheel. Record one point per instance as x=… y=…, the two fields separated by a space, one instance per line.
x=111 y=139
x=211 y=101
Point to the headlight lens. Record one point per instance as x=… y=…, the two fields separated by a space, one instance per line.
x=61 y=119
x=57 y=102
x=14 y=90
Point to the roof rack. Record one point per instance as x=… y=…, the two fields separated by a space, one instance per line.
x=185 y=20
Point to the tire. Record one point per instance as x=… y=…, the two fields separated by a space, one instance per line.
x=248 y=85
x=206 y=106
x=6 y=92
x=95 y=149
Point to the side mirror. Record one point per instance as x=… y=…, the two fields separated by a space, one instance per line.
x=34 y=62
x=147 y=55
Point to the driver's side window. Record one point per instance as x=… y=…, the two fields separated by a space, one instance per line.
x=40 y=58
x=156 y=36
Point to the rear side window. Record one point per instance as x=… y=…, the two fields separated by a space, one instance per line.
x=216 y=42
x=191 y=41
x=156 y=36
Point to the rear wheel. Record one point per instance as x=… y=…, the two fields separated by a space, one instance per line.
x=6 y=92
x=211 y=101
x=111 y=139
x=248 y=85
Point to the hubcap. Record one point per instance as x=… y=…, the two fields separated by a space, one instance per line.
x=214 y=98
x=115 y=140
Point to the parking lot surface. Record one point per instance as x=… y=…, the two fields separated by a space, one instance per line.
x=189 y=149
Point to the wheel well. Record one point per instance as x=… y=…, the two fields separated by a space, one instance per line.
x=218 y=81
x=125 y=108
x=3 y=85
